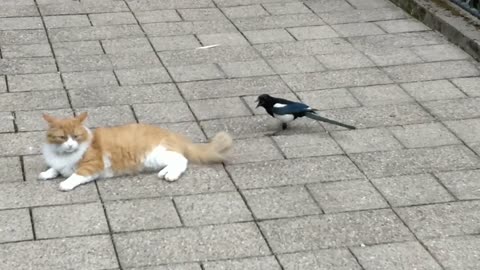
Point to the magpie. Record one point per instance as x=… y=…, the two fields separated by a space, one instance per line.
x=287 y=111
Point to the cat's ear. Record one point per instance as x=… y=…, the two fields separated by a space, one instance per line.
x=81 y=118
x=50 y=119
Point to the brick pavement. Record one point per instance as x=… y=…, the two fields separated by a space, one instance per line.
x=401 y=192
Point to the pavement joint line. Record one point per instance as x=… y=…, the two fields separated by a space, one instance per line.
x=317 y=203
x=355 y=257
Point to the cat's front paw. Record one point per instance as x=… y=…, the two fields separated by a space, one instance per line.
x=48 y=174
x=66 y=186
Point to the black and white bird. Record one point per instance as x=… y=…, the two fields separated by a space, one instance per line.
x=287 y=111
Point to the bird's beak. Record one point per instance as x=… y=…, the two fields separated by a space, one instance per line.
x=258 y=103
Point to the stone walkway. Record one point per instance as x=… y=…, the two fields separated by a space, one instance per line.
x=401 y=192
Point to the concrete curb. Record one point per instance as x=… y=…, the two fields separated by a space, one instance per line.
x=459 y=26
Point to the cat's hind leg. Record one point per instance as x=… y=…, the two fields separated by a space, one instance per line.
x=48 y=174
x=176 y=164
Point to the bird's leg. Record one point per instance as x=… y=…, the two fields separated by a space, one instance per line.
x=284 y=126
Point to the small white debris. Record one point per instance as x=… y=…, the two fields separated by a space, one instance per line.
x=207 y=47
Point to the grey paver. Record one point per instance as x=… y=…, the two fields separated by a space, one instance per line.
x=112 y=18
x=408 y=255
x=347 y=196
x=304 y=48
x=441 y=52
x=94 y=32
x=200 y=14
x=244 y=11
x=186 y=244
x=179 y=266
x=380 y=95
x=151 y=16
x=313 y=32
x=399 y=26
x=89 y=79
x=345 y=60
x=189 y=129
x=18 y=9
x=424 y=135
x=163 y=112
x=366 y=140
x=225 y=39
x=328 y=5
x=71 y=220
x=73 y=63
x=388 y=56
x=432 y=90
x=286 y=8
x=16 y=225
x=212 y=209
x=134 y=60
x=256 y=263
x=431 y=71
x=278 y=21
x=126 y=45
x=369 y=4
x=32 y=120
x=142 y=76
x=62 y=253
x=366 y=15
x=105 y=116
x=10 y=170
x=282 y=202
x=412 y=189
x=31 y=82
x=7 y=122
x=454 y=109
x=27 y=65
x=77 y=48
x=225 y=107
x=465 y=185
x=196 y=72
x=357 y=29
x=246 y=69
x=295 y=65
x=253 y=150
x=397 y=40
x=468 y=85
x=327 y=231
x=20 y=23
x=3 y=84
x=23 y=36
x=27 y=50
x=143 y=214
x=188 y=28
x=442 y=220
x=411 y=161
x=175 y=43
x=39 y=100
x=335 y=259
x=307 y=145
x=456 y=252
x=329 y=99
x=268 y=36
x=66 y=21
x=278 y=173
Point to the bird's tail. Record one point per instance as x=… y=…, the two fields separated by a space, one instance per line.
x=323 y=119
x=212 y=152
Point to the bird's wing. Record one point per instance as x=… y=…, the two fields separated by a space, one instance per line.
x=291 y=108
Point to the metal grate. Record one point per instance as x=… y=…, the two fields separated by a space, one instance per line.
x=472 y=6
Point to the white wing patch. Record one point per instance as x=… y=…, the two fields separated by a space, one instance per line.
x=279 y=105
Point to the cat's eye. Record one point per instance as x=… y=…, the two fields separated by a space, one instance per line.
x=62 y=137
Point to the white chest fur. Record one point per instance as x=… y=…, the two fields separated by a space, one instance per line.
x=64 y=163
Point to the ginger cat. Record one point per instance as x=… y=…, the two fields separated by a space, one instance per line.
x=73 y=151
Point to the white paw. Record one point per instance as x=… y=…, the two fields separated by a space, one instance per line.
x=48 y=174
x=66 y=186
x=162 y=173
x=172 y=176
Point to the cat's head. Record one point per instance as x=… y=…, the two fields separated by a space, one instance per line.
x=66 y=134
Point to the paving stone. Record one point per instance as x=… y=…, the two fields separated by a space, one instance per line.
x=328 y=5
x=379 y=116
x=442 y=220
x=335 y=259
x=186 y=266
x=70 y=220
x=163 y=112
x=468 y=85
x=229 y=241
x=244 y=11
x=412 y=189
x=392 y=56
x=232 y=87
x=10 y=170
x=313 y=32
x=197 y=179
x=7 y=122
x=412 y=161
x=28 y=50
x=400 y=40
x=256 y=263
x=408 y=255
x=66 y=21
x=71 y=63
x=246 y=69
x=126 y=45
x=188 y=28
x=224 y=108
x=89 y=79
x=357 y=29
x=107 y=116
x=27 y=65
x=32 y=120
x=424 y=135
x=77 y=48
x=142 y=76
x=134 y=60
x=152 y=5
x=329 y=99
x=399 y=26
x=143 y=214
x=286 y=8
x=201 y=14
x=335 y=79
x=380 y=95
x=215 y=208
x=454 y=109
x=431 y=71
x=432 y=90
x=18 y=10
x=344 y=196
x=3 y=84
x=366 y=140
x=304 y=48
x=226 y=39
x=327 y=231
x=189 y=129
x=107 y=96
x=20 y=23
x=279 y=173
x=175 y=43
x=441 y=52
x=366 y=15
x=226 y=3
x=40 y=100
x=268 y=36
x=27 y=194
x=16 y=225
x=94 y=32
x=369 y=4
x=465 y=185
x=152 y=16
x=257 y=126
x=295 y=65
x=212 y=55
x=196 y=72
x=23 y=37
x=112 y=18
x=345 y=60
x=282 y=202
x=307 y=145
x=253 y=150
x=82 y=7
x=456 y=252
x=278 y=21
x=96 y=252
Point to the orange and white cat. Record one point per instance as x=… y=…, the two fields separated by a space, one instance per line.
x=73 y=151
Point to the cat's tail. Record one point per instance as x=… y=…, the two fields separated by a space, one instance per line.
x=212 y=152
